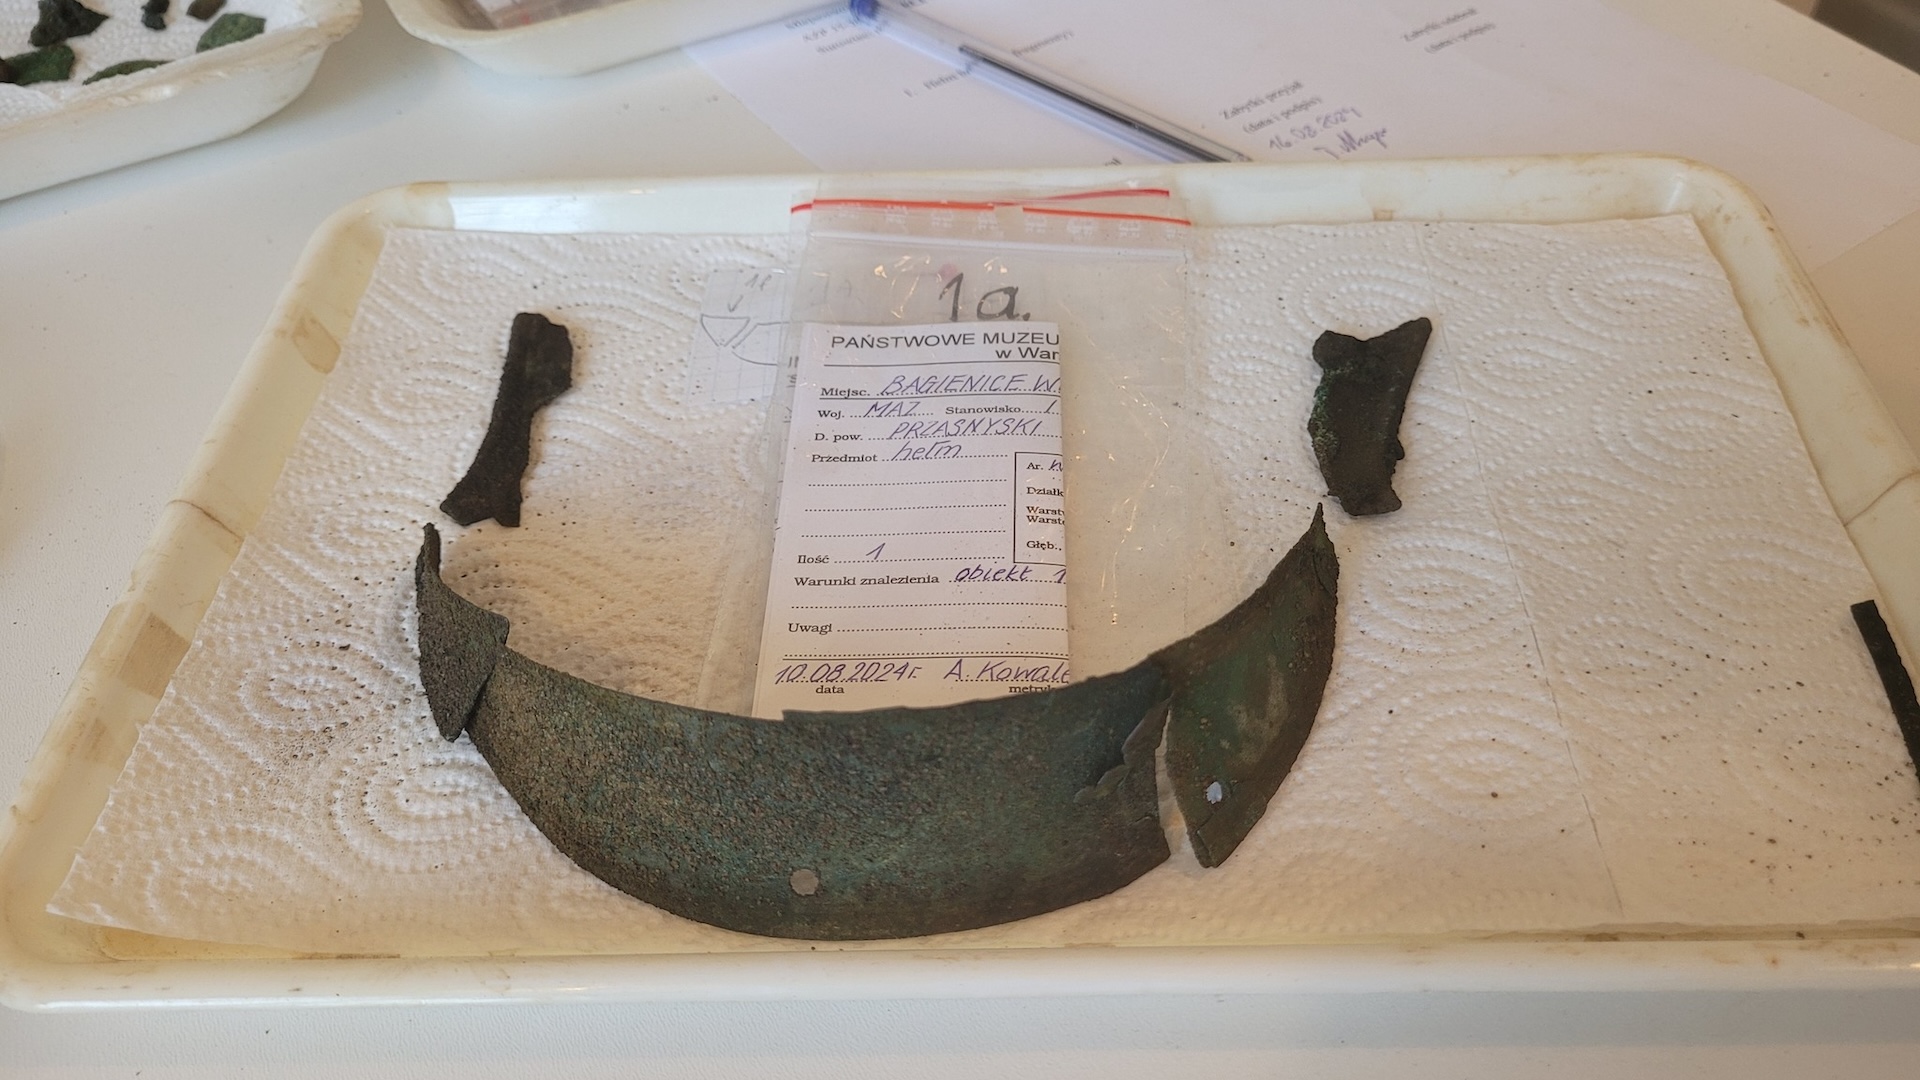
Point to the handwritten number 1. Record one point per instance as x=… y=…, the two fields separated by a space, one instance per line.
x=955 y=286
x=875 y=553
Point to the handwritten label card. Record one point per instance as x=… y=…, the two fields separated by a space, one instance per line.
x=919 y=557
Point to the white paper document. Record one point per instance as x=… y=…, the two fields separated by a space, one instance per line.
x=1319 y=82
x=854 y=103
x=919 y=555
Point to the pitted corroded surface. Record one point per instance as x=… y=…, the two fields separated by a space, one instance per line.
x=539 y=368
x=1355 y=423
x=1246 y=691
x=893 y=822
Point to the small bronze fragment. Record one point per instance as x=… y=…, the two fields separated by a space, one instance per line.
x=50 y=64
x=890 y=822
x=124 y=67
x=539 y=368
x=1893 y=674
x=1355 y=422
x=205 y=9
x=153 y=16
x=1246 y=692
x=230 y=28
x=63 y=19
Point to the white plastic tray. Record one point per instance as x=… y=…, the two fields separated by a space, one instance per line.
x=196 y=100
x=585 y=40
x=1869 y=473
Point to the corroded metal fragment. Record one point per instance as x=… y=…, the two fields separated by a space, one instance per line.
x=1246 y=691
x=1355 y=422
x=229 y=29
x=889 y=823
x=153 y=16
x=1893 y=674
x=539 y=368
x=63 y=19
x=205 y=9
x=51 y=64
x=879 y=824
x=892 y=822
x=460 y=642
x=124 y=67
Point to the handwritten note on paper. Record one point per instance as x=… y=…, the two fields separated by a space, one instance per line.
x=735 y=352
x=1365 y=79
x=919 y=556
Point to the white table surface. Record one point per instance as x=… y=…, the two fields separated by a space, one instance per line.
x=127 y=302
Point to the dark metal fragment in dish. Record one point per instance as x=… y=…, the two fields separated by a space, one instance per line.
x=124 y=67
x=153 y=16
x=1893 y=674
x=1355 y=422
x=205 y=9
x=50 y=64
x=889 y=822
x=539 y=368
x=63 y=19
x=1246 y=691
x=230 y=28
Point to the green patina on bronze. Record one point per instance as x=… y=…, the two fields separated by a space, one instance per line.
x=51 y=64
x=124 y=67
x=539 y=368
x=63 y=19
x=1246 y=692
x=901 y=822
x=228 y=29
x=1355 y=422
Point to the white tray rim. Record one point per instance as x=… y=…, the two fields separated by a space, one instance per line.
x=1870 y=474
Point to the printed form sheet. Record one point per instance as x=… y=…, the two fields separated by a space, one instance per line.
x=919 y=555
x=1319 y=82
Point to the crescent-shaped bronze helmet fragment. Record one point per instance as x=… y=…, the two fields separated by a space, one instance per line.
x=894 y=822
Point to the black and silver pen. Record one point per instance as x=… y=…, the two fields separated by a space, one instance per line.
x=1082 y=104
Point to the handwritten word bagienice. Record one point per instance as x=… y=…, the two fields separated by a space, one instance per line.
x=918 y=385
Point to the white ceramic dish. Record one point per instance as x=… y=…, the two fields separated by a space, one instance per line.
x=1869 y=473
x=585 y=40
x=186 y=103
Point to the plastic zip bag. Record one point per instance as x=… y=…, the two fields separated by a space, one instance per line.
x=1109 y=267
